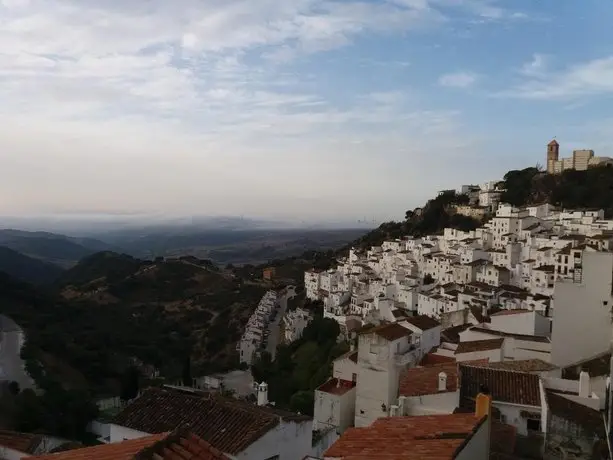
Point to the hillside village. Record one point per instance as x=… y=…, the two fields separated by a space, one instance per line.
x=493 y=342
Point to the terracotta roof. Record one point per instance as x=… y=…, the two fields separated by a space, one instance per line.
x=435 y=437
x=479 y=345
x=23 y=442
x=393 y=331
x=420 y=381
x=524 y=365
x=432 y=359
x=125 y=450
x=553 y=142
x=230 y=425
x=423 y=322
x=178 y=445
x=336 y=386
x=183 y=446
x=511 y=312
x=504 y=386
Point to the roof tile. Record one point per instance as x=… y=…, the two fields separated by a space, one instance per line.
x=504 y=386
x=479 y=345
x=423 y=322
x=436 y=437
x=230 y=425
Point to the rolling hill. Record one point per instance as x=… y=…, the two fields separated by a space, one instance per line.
x=59 y=250
x=26 y=268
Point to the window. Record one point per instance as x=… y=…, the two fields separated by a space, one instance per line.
x=533 y=425
x=354 y=377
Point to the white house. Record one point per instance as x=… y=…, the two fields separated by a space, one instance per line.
x=383 y=352
x=239 y=429
x=582 y=324
x=429 y=390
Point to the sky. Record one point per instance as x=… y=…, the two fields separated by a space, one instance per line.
x=304 y=109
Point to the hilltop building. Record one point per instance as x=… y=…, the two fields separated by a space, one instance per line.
x=580 y=161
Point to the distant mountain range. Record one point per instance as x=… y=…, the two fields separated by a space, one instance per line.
x=40 y=257
x=59 y=250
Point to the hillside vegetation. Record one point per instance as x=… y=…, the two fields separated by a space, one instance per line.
x=26 y=268
x=111 y=311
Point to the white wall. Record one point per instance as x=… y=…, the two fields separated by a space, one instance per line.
x=511 y=415
x=495 y=356
x=478 y=448
x=288 y=440
x=120 y=433
x=11 y=454
x=582 y=315
x=528 y=323
x=441 y=403
x=331 y=410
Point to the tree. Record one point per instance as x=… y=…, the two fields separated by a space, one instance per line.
x=187 y=371
x=302 y=401
x=14 y=388
x=130 y=383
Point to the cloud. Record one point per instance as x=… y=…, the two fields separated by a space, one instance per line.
x=582 y=79
x=187 y=106
x=458 y=79
x=536 y=67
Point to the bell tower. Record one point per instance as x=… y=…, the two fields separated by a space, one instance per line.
x=553 y=155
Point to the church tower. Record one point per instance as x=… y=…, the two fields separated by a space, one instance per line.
x=553 y=155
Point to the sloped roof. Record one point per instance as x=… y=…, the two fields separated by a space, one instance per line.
x=230 y=425
x=524 y=365
x=23 y=442
x=434 y=437
x=479 y=345
x=423 y=322
x=125 y=450
x=179 y=445
x=392 y=331
x=420 y=381
x=504 y=386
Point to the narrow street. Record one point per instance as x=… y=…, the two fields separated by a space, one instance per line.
x=274 y=326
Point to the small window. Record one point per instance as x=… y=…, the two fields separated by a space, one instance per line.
x=354 y=377
x=533 y=425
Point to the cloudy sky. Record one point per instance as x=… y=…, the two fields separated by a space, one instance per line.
x=306 y=108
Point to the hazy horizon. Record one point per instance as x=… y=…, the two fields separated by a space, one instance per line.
x=316 y=110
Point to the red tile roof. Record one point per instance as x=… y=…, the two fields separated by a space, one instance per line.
x=432 y=359
x=420 y=381
x=432 y=437
x=336 y=386
x=23 y=442
x=125 y=450
x=504 y=386
x=230 y=425
x=391 y=332
x=174 y=446
x=479 y=345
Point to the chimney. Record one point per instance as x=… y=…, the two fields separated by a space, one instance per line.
x=584 y=385
x=442 y=381
x=394 y=411
x=483 y=402
x=402 y=403
x=483 y=407
x=262 y=394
